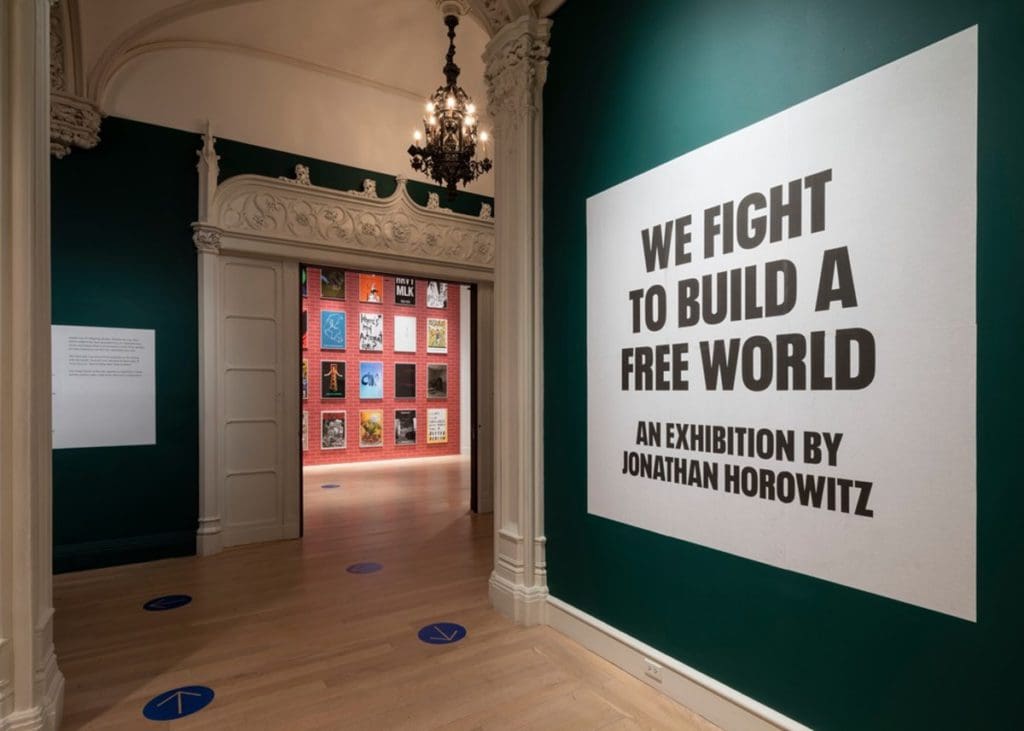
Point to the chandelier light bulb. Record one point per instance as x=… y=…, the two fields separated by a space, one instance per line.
x=470 y=121
x=430 y=107
x=416 y=135
x=433 y=120
x=451 y=102
x=471 y=108
x=483 y=136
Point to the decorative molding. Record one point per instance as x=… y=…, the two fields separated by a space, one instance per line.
x=516 y=68
x=301 y=176
x=257 y=207
x=486 y=213
x=74 y=120
x=370 y=188
x=525 y=605
x=206 y=239
x=715 y=701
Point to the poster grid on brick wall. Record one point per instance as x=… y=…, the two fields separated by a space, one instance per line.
x=393 y=374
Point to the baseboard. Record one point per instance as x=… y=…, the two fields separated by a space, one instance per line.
x=118 y=551
x=523 y=605
x=702 y=694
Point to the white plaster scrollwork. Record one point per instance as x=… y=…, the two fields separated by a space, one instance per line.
x=250 y=205
x=433 y=201
x=486 y=212
x=301 y=176
x=74 y=120
x=517 y=62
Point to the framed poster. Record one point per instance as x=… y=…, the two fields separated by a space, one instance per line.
x=405 y=426
x=437 y=335
x=437 y=380
x=303 y=280
x=405 y=380
x=405 y=334
x=332 y=430
x=370 y=287
x=332 y=379
x=305 y=379
x=332 y=330
x=371 y=428
x=304 y=327
x=405 y=291
x=371 y=331
x=371 y=379
x=305 y=430
x=437 y=294
x=437 y=426
x=332 y=283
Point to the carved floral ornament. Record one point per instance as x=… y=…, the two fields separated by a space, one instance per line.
x=517 y=63
x=74 y=120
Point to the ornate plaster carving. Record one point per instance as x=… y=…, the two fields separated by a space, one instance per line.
x=433 y=201
x=486 y=212
x=301 y=176
x=370 y=188
x=207 y=240
x=517 y=62
x=74 y=120
x=261 y=208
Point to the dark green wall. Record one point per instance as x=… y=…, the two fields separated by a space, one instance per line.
x=123 y=257
x=630 y=89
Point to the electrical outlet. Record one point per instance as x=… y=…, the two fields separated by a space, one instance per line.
x=652 y=669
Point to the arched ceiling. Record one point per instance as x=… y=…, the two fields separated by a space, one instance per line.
x=341 y=80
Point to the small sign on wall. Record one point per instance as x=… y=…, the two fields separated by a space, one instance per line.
x=104 y=386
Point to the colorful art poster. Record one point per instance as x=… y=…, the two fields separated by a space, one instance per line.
x=371 y=331
x=303 y=280
x=405 y=291
x=332 y=379
x=332 y=330
x=332 y=283
x=371 y=428
x=305 y=379
x=371 y=379
x=332 y=430
x=405 y=426
x=405 y=380
x=370 y=288
x=405 y=334
x=437 y=380
x=304 y=327
x=437 y=295
x=437 y=335
x=305 y=431
x=437 y=426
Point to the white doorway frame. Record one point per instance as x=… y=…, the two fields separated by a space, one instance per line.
x=288 y=221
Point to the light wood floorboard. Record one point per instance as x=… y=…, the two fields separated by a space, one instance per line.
x=289 y=640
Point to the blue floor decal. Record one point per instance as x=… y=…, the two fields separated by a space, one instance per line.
x=163 y=603
x=173 y=704
x=442 y=633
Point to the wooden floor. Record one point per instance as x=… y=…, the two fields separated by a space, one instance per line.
x=287 y=639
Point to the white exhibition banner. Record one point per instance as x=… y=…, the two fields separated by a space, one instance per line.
x=781 y=337
x=104 y=386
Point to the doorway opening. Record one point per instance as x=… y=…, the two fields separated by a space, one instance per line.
x=388 y=392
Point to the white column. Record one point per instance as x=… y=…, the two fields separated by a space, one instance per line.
x=31 y=685
x=516 y=60
x=209 y=539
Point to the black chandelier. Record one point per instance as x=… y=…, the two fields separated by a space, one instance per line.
x=448 y=155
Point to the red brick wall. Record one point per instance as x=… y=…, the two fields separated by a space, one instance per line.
x=351 y=356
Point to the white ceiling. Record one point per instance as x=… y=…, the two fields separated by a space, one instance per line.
x=341 y=80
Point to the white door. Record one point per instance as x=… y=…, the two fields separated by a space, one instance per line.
x=258 y=372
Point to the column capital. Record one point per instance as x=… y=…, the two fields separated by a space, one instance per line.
x=74 y=119
x=516 y=68
x=206 y=239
